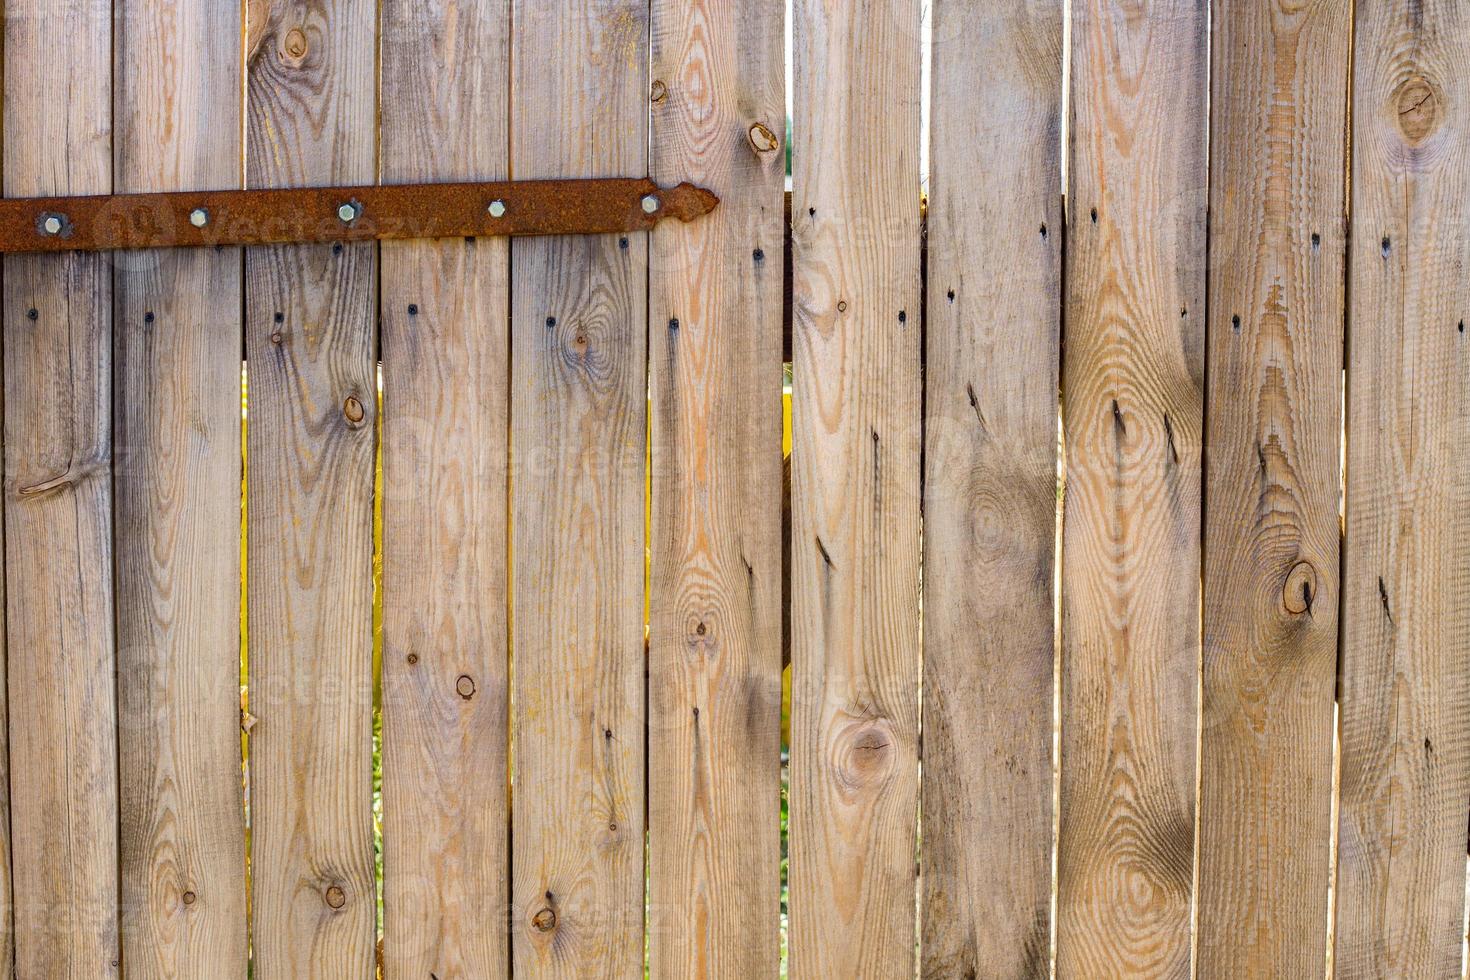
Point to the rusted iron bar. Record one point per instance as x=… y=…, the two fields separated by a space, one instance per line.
x=341 y=214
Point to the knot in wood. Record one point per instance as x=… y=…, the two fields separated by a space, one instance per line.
x=1418 y=105
x=1300 y=590
x=544 y=920
x=762 y=140
x=336 y=897
x=465 y=686
x=353 y=411
x=658 y=92
x=294 y=46
x=189 y=898
x=863 y=755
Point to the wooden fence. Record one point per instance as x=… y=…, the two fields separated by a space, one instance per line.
x=1247 y=311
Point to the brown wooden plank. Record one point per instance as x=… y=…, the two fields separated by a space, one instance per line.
x=310 y=340
x=1406 y=598
x=446 y=371
x=1271 y=530
x=177 y=412
x=991 y=363
x=58 y=507
x=7 y=876
x=855 y=489
x=1132 y=394
x=578 y=431
x=718 y=101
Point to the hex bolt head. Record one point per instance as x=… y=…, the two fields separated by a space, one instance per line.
x=497 y=209
x=347 y=211
x=650 y=204
x=199 y=217
x=51 y=224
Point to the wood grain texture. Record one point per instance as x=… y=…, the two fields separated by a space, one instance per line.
x=58 y=504
x=855 y=489
x=990 y=487
x=7 y=877
x=177 y=483
x=715 y=364
x=1273 y=471
x=311 y=345
x=1132 y=396
x=579 y=387
x=446 y=365
x=1406 y=610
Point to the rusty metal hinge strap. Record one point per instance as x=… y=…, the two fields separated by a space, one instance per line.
x=344 y=214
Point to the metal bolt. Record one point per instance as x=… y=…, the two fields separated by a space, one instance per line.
x=650 y=204
x=51 y=224
x=199 y=217
x=347 y=212
x=497 y=209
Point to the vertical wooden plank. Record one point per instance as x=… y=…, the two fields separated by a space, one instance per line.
x=177 y=481
x=716 y=289
x=445 y=376
x=58 y=506
x=578 y=431
x=7 y=875
x=990 y=486
x=1271 y=531
x=311 y=343
x=855 y=488
x=1132 y=408
x=1406 y=610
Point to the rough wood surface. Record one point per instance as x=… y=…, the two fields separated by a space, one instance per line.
x=58 y=503
x=715 y=364
x=1273 y=471
x=855 y=489
x=579 y=387
x=445 y=377
x=7 y=897
x=310 y=340
x=177 y=481
x=1132 y=408
x=1406 y=612
x=990 y=487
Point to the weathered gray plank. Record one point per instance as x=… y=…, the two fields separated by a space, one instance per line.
x=715 y=366
x=446 y=870
x=990 y=486
x=578 y=430
x=855 y=488
x=177 y=412
x=1132 y=399
x=58 y=503
x=1406 y=595
x=311 y=344
x=1271 y=528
